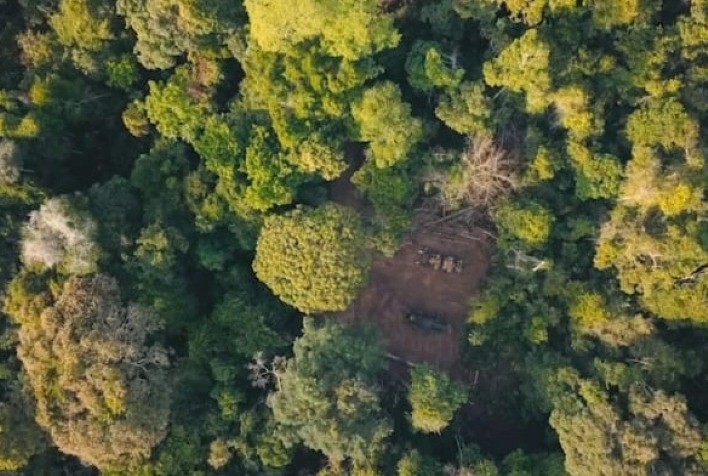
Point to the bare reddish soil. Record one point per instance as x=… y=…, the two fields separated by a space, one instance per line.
x=399 y=286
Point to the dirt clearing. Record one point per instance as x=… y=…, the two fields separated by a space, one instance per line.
x=399 y=286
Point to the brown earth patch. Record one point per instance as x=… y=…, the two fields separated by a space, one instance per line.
x=342 y=190
x=399 y=286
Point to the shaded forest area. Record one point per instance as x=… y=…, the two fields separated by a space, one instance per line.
x=185 y=234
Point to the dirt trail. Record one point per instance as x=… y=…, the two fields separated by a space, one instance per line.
x=342 y=190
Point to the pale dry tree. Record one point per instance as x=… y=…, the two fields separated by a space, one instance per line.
x=485 y=173
x=264 y=373
x=10 y=162
x=59 y=234
x=481 y=175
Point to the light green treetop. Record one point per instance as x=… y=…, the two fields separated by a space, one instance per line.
x=651 y=256
x=665 y=122
x=385 y=121
x=313 y=258
x=466 y=109
x=598 y=437
x=523 y=66
x=673 y=189
x=351 y=29
x=596 y=175
x=434 y=398
x=531 y=223
x=85 y=24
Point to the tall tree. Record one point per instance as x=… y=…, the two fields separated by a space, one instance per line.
x=351 y=29
x=101 y=387
x=656 y=434
x=386 y=122
x=169 y=29
x=327 y=393
x=313 y=259
x=434 y=398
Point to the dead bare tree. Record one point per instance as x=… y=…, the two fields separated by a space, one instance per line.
x=484 y=173
x=265 y=373
x=525 y=262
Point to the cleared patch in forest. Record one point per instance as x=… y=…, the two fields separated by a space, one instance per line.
x=399 y=286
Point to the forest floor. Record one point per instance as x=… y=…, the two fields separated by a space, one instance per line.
x=398 y=286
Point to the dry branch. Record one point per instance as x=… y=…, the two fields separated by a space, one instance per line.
x=485 y=173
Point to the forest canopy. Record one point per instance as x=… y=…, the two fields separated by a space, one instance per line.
x=209 y=210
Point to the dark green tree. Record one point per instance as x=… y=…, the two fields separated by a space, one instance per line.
x=327 y=393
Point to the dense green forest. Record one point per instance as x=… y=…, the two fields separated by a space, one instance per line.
x=174 y=255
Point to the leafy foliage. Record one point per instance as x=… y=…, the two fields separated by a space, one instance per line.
x=350 y=29
x=101 y=388
x=523 y=67
x=203 y=165
x=313 y=258
x=529 y=223
x=167 y=29
x=434 y=399
x=427 y=69
x=20 y=437
x=327 y=393
x=466 y=109
x=586 y=421
x=385 y=121
x=415 y=464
